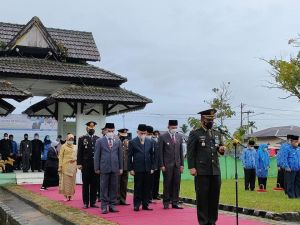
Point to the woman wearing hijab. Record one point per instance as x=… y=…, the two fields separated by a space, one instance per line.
x=67 y=168
x=262 y=165
x=51 y=178
x=47 y=146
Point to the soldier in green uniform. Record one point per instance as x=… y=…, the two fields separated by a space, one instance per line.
x=203 y=149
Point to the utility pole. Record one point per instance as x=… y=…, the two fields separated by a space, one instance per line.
x=242 y=106
x=248 y=112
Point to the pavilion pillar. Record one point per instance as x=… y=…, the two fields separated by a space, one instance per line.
x=82 y=119
x=60 y=120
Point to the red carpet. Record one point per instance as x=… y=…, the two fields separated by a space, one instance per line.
x=127 y=216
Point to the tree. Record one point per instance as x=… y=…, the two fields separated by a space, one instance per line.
x=222 y=102
x=286 y=73
x=184 y=128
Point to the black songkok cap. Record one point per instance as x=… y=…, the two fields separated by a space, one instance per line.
x=142 y=127
x=173 y=123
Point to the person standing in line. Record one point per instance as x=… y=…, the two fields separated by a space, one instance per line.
x=262 y=165
x=203 y=149
x=141 y=166
x=46 y=147
x=248 y=159
x=108 y=162
x=123 y=178
x=85 y=162
x=6 y=150
x=171 y=164
x=291 y=163
x=15 y=152
x=67 y=168
x=281 y=181
x=37 y=151
x=51 y=178
x=26 y=153
x=156 y=174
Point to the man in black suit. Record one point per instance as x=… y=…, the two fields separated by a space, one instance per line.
x=141 y=166
x=85 y=162
x=171 y=164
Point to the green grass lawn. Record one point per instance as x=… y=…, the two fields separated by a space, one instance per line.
x=275 y=201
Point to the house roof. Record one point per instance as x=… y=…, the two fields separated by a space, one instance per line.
x=54 y=70
x=7 y=90
x=5 y=108
x=114 y=99
x=276 y=132
x=79 y=44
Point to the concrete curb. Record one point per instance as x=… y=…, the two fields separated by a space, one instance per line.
x=287 y=216
x=9 y=217
x=58 y=218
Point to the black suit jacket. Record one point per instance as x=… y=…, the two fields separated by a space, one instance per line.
x=86 y=151
x=170 y=154
x=140 y=157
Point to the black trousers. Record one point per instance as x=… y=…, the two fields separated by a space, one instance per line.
x=89 y=185
x=123 y=183
x=172 y=179
x=262 y=182
x=142 y=185
x=280 y=178
x=207 y=195
x=155 y=184
x=98 y=191
x=35 y=162
x=249 y=179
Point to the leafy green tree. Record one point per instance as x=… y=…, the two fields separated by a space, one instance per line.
x=184 y=128
x=221 y=102
x=286 y=73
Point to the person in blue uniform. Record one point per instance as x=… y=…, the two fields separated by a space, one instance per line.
x=280 y=176
x=291 y=163
x=248 y=159
x=203 y=149
x=262 y=165
x=85 y=162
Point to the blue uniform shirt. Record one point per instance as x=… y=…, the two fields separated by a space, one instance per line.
x=14 y=147
x=281 y=153
x=262 y=161
x=291 y=158
x=248 y=158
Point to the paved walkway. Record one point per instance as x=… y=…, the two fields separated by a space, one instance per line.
x=23 y=210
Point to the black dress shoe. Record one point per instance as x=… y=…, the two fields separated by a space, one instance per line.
x=113 y=210
x=136 y=208
x=94 y=206
x=85 y=206
x=146 y=208
x=124 y=203
x=177 y=207
x=157 y=198
x=104 y=211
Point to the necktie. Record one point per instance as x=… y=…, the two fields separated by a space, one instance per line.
x=110 y=144
x=173 y=139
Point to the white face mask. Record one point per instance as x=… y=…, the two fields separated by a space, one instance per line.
x=173 y=131
x=149 y=137
x=36 y=137
x=142 y=137
x=110 y=134
x=6 y=138
x=70 y=142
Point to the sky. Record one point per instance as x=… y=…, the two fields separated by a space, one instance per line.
x=175 y=52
